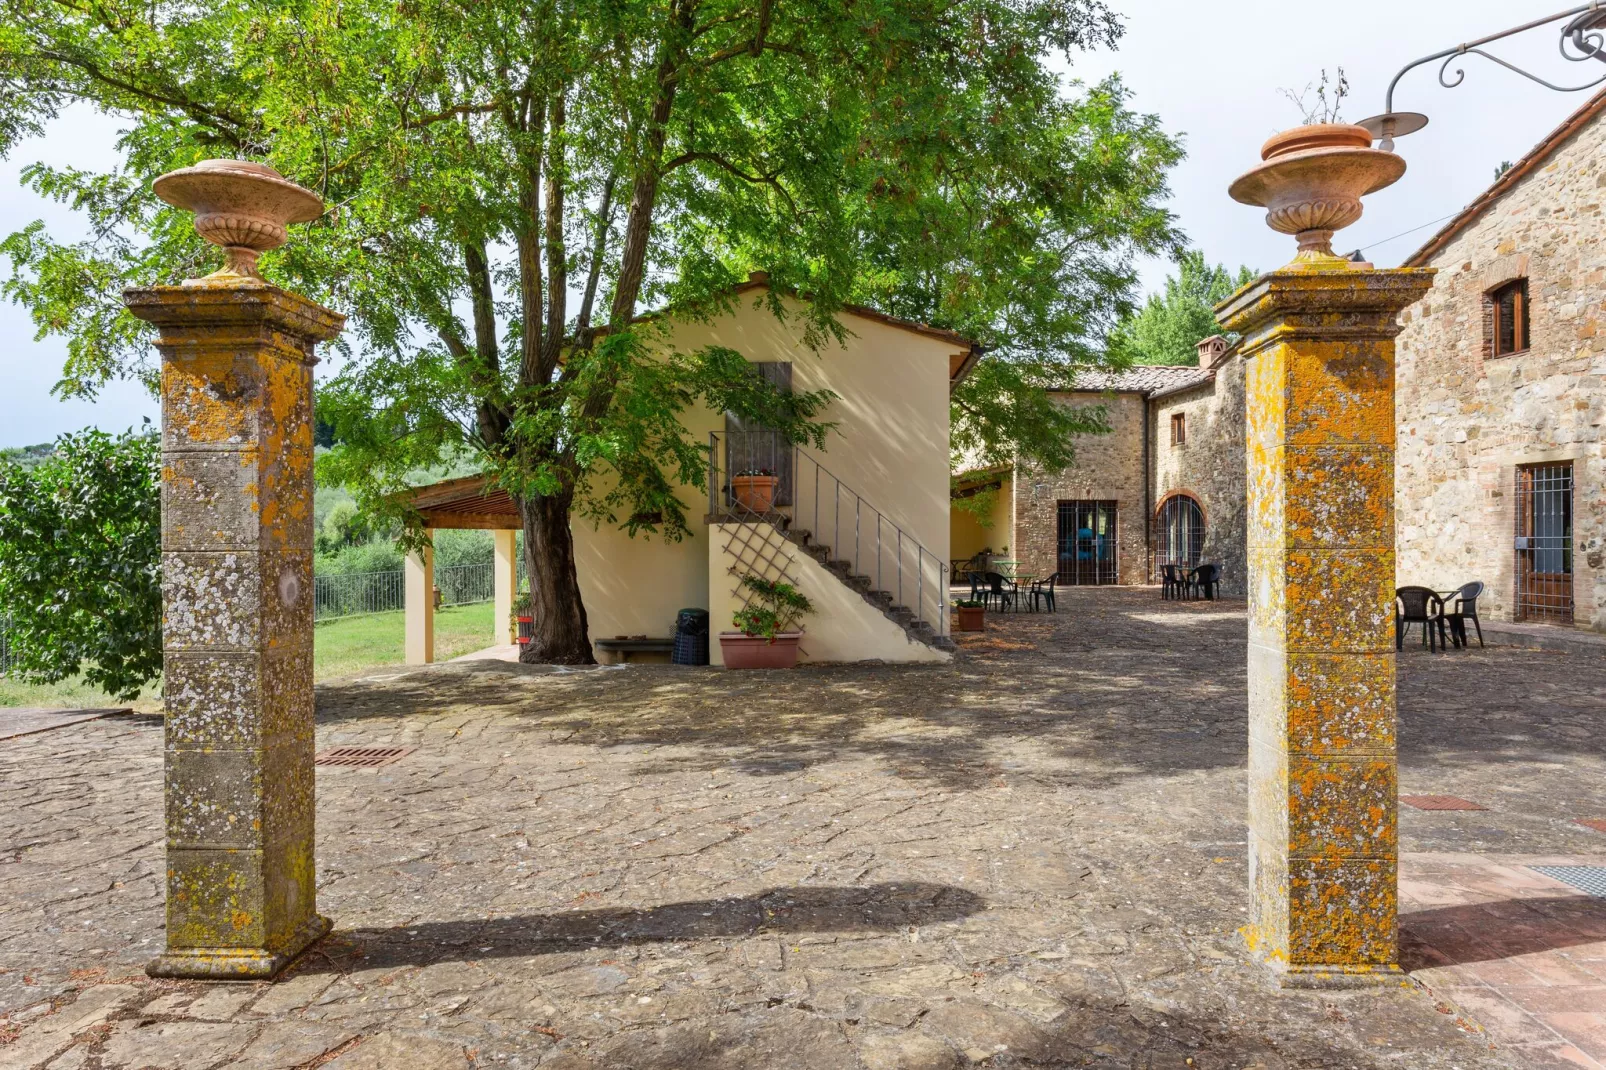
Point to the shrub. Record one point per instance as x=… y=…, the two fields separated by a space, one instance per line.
x=779 y=608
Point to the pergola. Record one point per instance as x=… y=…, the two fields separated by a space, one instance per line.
x=469 y=503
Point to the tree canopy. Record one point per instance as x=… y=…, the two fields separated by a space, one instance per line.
x=1169 y=326
x=511 y=182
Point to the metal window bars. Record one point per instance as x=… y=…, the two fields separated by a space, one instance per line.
x=1543 y=545
x=809 y=497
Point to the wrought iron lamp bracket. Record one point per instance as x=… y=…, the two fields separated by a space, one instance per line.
x=1583 y=31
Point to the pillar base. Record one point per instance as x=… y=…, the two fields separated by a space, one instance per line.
x=239 y=963
x=1323 y=977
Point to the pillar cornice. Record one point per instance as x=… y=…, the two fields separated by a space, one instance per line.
x=232 y=314
x=1328 y=304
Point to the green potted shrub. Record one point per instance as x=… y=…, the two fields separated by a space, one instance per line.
x=972 y=614
x=767 y=631
x=524 y=617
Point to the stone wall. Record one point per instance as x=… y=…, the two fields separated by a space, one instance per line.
x=1467 y=419
x=1108 y=468
x=1209 y=465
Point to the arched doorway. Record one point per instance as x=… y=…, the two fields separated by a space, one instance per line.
x=1181 y=532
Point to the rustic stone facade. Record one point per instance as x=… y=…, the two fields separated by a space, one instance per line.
x=1208 y=465
x=1108 y=468
x=1470 y=420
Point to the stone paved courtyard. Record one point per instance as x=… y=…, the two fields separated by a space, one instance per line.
x=1033 y=857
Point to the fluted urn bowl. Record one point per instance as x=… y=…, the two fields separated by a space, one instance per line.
x=240 y=205
x=1313 y=179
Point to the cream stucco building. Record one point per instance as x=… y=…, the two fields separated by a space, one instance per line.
x=860 y=527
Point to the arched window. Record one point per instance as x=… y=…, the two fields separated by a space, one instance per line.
x=1182 y=532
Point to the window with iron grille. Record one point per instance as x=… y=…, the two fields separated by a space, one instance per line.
x=1179 y=428
x=1510 y=319
x=1088 y=552
x=1544 y=543
x=1182 y=532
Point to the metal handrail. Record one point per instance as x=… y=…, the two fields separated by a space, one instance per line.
x=791 y=490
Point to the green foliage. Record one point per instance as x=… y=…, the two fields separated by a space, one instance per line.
x=1170 y=325
x=512 y=182
x=79 y=575
x=779 y=607
x=26 y=456
x=969 y=603
x=978 y=505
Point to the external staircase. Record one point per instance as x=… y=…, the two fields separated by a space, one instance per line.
x=867 y=552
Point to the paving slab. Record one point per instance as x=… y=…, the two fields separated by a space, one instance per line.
x=26 y=720
x=1032 y=857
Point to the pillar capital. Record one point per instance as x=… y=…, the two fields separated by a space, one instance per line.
x=1327 y=300
x=231 y=313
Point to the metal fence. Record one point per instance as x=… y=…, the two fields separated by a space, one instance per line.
x=385 y=592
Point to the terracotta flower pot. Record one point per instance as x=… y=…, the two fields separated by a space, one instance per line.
x=1313 y=179
x=240 y=205
x=972 y=618
x=755 y=493
x=744 y=651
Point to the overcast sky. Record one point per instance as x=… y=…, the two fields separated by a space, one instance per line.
x=1211 y=70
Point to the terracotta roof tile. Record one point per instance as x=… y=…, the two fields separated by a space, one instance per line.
x=1143 y=379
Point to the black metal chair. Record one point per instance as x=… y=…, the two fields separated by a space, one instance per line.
x=1465 y=608
x=1171 y=582
x=1043 y=591
x=1002 y=588
x=1206 y=579
x=1418 y=605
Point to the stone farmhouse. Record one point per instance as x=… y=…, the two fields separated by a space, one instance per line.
x=1501 y=400
x=1501 y=458
x=1165 y=485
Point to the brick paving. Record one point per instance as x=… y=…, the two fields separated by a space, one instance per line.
x=1033 y=857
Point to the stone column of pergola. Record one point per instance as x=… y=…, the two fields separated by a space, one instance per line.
x=237 y=357
x=1319 y=339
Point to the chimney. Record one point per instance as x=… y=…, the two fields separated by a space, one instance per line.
x=1213 y=350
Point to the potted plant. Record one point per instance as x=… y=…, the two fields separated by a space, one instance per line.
x=524 y=617
x=754 y=489
x=767 y=630
x=972 y=614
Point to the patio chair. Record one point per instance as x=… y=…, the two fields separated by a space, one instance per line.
x=1465 y=608
x=1170 y=582
x=1000 y=587
x=1206 y=579
x=1418 y=605
x=1043 y=591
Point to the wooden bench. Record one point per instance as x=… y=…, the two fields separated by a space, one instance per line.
x=621 y=649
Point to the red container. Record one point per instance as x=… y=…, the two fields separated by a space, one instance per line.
x=755 y=493
x=526 y=629
x=756 y=652
x=972 y=618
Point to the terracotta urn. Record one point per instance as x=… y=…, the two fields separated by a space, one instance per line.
x=756 y=493
x=240 y=205
x=1312 y=180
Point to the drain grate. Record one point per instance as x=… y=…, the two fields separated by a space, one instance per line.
x=362 y=757
x=1439 y=802
x=1596 y=823
x=1589 y=879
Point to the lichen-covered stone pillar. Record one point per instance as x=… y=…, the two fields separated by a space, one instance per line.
x=418 y=603
x=504 y=629
x=237 y=357
x=1319 y=340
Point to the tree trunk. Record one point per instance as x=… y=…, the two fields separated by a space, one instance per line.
x=560 y=616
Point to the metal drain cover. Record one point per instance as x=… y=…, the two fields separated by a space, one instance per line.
x=362 y=757
x=1589 y=879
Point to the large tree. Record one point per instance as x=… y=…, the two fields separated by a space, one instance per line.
x=511 y=182
x=1170 y=325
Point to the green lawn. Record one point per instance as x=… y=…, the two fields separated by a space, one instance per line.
x=344 y=647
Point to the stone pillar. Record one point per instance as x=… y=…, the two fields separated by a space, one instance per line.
x=1319 y=340
x=506 y=568
x=419 y=600
x=237 y=357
